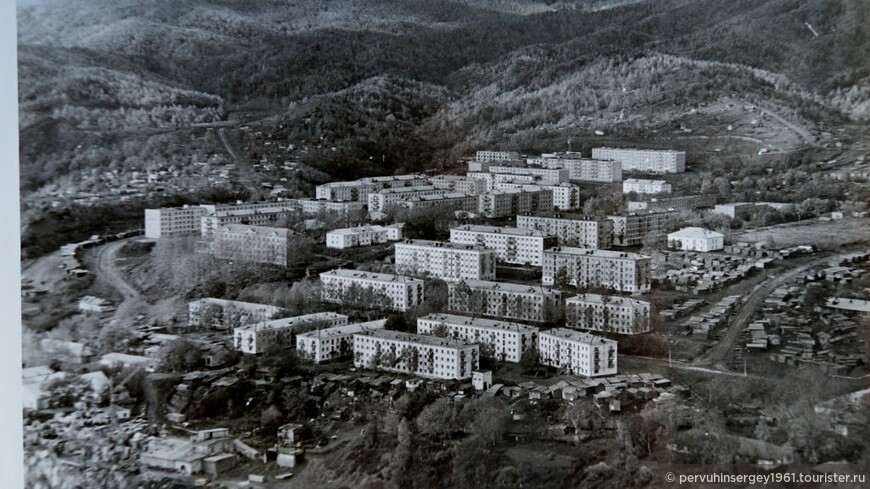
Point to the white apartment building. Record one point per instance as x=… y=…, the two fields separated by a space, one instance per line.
x=226 y=314
x=696 y=239
x=682 y=203
x=582 y=232
x=608 y=314
x=579 y=168
x=424 y=356
x=505 y=300
x=490 y=180
x=258 y=337
x=642 y=186
x=372 y=290
x=510 y=202
x=356 y=190
x=645 y=160
x=456 y=201
x=542 y=176
x=583 y=267
x=313 y=206
x=363 y=236
x=262 y=216
x=483 y=166
x=577 y=353
x=172 y=222
x=566 y=196
x=489 y=155
x=745 y=209
x=397 y=181
x=501 y=340
x=256 y=244
x=633 y=229
x=514 y=245
x=447 y=261
x=459 y=183
x=323 y=345
x=381 y=200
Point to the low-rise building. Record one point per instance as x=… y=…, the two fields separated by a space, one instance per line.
x=684 y=203
x=504 y=300
x=645 y=160
x=583 y=267
x=577 y=353
x=280 y=333
x=513 y=245
x=642 y=186
x=90 y=303
x=372 y=290
x=635 y=228
x=744 y=210
x=696 y=239
x=323 y=345
x=580 y=231
x=362 y=236
x=425 y=356
x=187 y=455
x=608 y=314
x=257 y=244
x=501 y=340
x=226 y=314
x=447 y=261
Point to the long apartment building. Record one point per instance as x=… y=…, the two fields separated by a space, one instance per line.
x=490 y=180
x=504 y=300
x=397 y=181
x=489 y=155
x=577 y=353
x=582 y=231
x=257 y=244
x=510 y=202
x=357 y=190
x=614 y=270
x=215 y=313
x=456 y=201
x=501 y=340
x=424 y=356
x=323 y=345
x=343 y=209
x=566 y=196
x=381 y=200
x=173 y=222
x=607 y=314
x=682 y=203
x=259 y=337
x=579 y=168
x=644 y=186
x=447 y=261
x=264 y=217
x=459 y=183
x=542 y=176
x=369 y=289
x=634 y=228
x=645 y=160
x=362 y=236
x=513 y=245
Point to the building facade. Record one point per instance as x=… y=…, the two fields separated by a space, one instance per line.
x=371 y=290
x=577 y=353
x=397 y=181
x=259 y=337
x=633 y=229
x=696 y=239
x=424 y=356
x=342 y=209
x=579 y=168
x=447 y=261
x=173 y=222
x=541 y=176
x=582 y=267
x=642 y=186
x=459 y=183
x=680 y=204
x=500 y=340
x=582 y=232
x=356 y=190
x=489 y=155
x=382 y=200
x=455 y=201
x=513 y=245
x=504 y=300
x=362 y=236
x=323 y=345
x=255 y=244
x=645 y=160
x=261 y=217
x=566 y=196
x=607 y=314
x=226 y=314
x=510 y=202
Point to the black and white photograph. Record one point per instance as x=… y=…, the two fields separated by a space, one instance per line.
x=451 y=244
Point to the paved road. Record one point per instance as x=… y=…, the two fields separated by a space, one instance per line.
x=107 y=269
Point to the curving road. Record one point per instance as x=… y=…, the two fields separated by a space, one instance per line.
x=106 y=268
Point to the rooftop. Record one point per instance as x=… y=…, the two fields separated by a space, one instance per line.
x=480 y=323
x=667 y=151
x=643 y=181
x=257 y=230
x=567 y=250
x=416 y=338
x=508 y=287
x=405 y=190
x=410 y=176
x=441 y=244
x=441 y=196
x=695 y=233
x=847 y=304
x=227 y=302
x=578 y=336
x=291 y=322
x=611 y=299
x=344 y=330
x=372 y=276
x=500 y=230
x=359 y=230
x=289 y=207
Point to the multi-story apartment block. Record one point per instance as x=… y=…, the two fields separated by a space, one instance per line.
x=483 y=166
x=398 y=181
x=696 y=239
x=608 y=314
x=579 y=168
x=504 y=300
x=456 y=201
x=542 y=176
x=488 y=155
x=645 y=160
x=634 y=229
x=226 y=314
x=684 y=203
x=447 y=261
x=491 y=180
x=582 y=232
x=356 y=190
x=172 y=222
x=424 y=356
x=262 y=216
x=381 y=200
x=510 y=202
x=343 y=209
x=566 y=196
x=514 y=245
x=744 y=210
x=459 y=183
x=363 y=236
x=372 y=290
x=501 y=340
x=323 y=345
x=577 y=353
x=643 y=186
x=280 y=333
x=614 y=270
x=256 y=244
